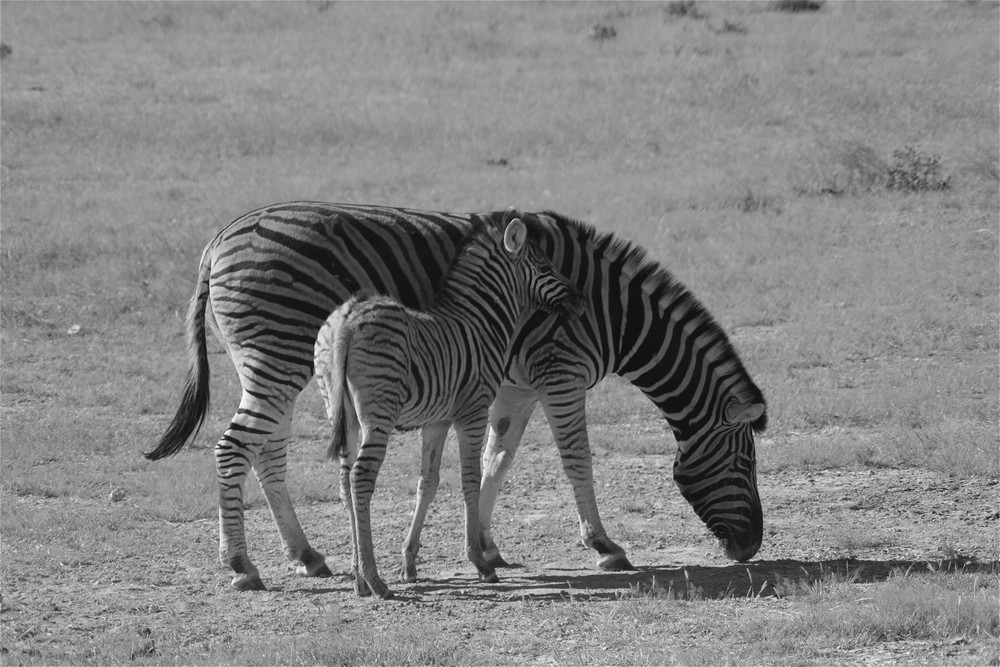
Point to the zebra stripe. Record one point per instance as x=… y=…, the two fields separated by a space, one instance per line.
x=273 y=275
x=398 y=368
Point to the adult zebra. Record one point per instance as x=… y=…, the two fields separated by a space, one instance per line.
x=381 y=366
x=644 y=325
x=274 y=274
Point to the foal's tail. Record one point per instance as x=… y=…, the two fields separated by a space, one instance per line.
x=331 y=370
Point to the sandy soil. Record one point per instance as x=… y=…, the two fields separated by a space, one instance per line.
x=865 y=521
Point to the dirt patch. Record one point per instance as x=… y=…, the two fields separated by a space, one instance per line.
x=867 y=522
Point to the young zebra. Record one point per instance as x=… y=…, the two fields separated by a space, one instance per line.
x=382 y=366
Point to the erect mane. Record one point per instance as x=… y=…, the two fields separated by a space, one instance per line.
x=656 y=281
x=478 y=227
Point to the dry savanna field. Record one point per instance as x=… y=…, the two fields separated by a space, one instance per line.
x=823 y=176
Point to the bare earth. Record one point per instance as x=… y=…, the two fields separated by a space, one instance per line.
x=868 y=522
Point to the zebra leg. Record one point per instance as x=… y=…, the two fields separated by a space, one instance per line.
x=566 y=412
x=363 y=475
x=233 y=459
x=433 y=436
x=271 y=469
x=346 y=463
x=509 y=416
x=470 y=444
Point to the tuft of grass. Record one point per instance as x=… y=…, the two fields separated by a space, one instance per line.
x=671 y=591
x=413 y=644
x=932 y=605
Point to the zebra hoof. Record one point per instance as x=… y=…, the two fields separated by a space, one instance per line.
x=381 y=591
x=322 y=571
x=243 y=582
x=311 y=564
x=489 y=578
x=616 y=562
x=366 y=588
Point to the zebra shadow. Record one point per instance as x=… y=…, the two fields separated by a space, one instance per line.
x=766 y=578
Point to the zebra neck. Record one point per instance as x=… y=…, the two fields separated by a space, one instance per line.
x=475 y=298
x=676 y=354
x=647 y=327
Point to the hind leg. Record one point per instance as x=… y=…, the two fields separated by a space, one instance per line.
x=257 y=439
x=470 y=434
x=363 y=476
x=271 y=470
x=433 y=436
x=234 y=456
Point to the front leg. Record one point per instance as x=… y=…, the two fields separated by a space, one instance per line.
x=567 y=417
x=433 y=436
x=470 y=434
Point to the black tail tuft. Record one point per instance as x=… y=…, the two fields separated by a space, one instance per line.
x=194 y=403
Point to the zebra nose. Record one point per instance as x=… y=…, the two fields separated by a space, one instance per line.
x=740 y=545
x=740 y=550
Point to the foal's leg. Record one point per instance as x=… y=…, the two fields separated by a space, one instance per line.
x=363 y=475
x=433 y=436
x=470 y=434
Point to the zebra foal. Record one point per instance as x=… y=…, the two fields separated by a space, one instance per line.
x=382 y=366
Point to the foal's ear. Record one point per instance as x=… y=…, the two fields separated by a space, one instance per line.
x=514 y=237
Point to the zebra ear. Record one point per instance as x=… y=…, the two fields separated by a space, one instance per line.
x=514 y=237
x=738 y=412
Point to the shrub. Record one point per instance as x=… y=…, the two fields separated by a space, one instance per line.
x=797 y=5
x=914 y=171
x=601 y=32
x=682 y=8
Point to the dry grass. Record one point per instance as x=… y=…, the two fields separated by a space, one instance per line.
x=761 y=155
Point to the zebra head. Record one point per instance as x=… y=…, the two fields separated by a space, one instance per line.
x=546 y=289
x=716 y=472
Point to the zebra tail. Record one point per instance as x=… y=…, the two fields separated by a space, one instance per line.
x=338 y=388
x=194 y=401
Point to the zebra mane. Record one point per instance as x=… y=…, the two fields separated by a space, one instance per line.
x=478 y=227
x=657 y=281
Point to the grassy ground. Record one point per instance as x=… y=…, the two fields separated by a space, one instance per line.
x=826 y=181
